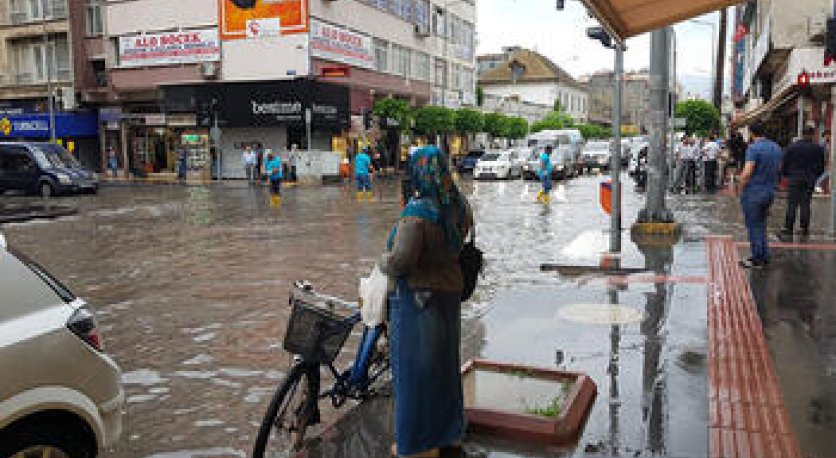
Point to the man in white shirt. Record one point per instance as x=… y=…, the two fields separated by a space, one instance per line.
x=686 y=171
x=711 y=152
x=248 y=160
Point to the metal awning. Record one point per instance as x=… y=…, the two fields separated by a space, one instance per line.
x=763 y=111
x=627 y=18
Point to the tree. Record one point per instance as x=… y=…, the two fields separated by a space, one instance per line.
x=594 y=131
x=557 y=106
x=469 y=122
x=480 y=96
x=555 y=120
x=515 y=128
x=495 y=124
x=701 y=117
x=394 y=109
x=432 y=120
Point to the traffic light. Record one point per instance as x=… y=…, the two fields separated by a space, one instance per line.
x=560 y=4
x=598 y=33
x=803 y=79
x=830 y=40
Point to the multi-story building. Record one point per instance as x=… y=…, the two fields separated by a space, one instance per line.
x=513 y=106
x=776 y=43
x=635 y=99
x=35 y=61
x=163 y=74
x=528 y=76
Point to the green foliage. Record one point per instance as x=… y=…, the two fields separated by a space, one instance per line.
x=515 y=128
x=594 y=131
x=396 y=109
x=494 y=124
x=557 y=106
x=435 y=120
x=555 y=120
x=469 y=121
x=701 y=116
x=480 y=96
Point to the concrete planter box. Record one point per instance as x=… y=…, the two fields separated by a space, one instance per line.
x=578 y=394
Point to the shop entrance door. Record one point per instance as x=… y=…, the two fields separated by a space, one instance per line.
x=296 y=136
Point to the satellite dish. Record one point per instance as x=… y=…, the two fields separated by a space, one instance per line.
x=244 y=4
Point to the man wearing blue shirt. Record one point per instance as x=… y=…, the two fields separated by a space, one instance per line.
x=362 y=170
x=273 y=169
x=545 y=171
x=758 y=182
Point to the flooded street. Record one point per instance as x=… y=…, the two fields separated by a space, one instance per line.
x=191 y=287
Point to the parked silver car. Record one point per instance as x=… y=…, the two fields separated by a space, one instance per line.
x=61 y=395
x=596 y=155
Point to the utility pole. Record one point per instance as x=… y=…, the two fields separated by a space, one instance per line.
x=615 y=159
x=660 y=57
x=49 y=59
x=721 y=59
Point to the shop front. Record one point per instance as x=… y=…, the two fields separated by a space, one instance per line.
x=158 y=142
x=273 y=115
x=78 y=132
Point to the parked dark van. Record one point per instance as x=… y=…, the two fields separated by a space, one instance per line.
x=43 y=168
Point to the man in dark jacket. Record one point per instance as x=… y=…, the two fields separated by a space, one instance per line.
x=803 y=164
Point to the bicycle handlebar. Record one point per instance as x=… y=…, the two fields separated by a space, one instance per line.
x=306 y=287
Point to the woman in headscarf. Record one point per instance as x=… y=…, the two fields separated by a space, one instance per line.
x=425 y=325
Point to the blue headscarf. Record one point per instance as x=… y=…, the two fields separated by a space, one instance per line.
x=434 y=196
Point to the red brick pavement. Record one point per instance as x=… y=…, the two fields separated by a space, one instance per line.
x=748 y=418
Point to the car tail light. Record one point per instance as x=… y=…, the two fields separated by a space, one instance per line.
x=83 y=324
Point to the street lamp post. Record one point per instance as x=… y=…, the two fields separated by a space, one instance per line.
x=49 y=58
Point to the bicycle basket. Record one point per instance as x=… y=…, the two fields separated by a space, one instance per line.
x=314 y=333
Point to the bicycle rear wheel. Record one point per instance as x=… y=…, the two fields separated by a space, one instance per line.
x=291 y=411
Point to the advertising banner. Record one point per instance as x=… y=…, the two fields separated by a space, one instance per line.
x=184 y=47
x=341 y=45
x=36 y=125
x=242 y=19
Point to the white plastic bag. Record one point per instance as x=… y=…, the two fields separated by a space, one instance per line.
x=373 y=297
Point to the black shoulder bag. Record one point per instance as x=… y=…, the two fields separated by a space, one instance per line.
x=472 y=262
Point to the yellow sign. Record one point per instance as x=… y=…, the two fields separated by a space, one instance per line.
x=71 y=146
x=6 y=126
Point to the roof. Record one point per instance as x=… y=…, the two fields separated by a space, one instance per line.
x=628 y=18
x=536 y=68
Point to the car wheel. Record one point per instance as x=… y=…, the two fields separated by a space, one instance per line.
x=46 y=190
x=45 y=441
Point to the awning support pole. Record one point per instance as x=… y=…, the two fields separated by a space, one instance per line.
x=832 y=162
x=657 y=170
x=615 y=158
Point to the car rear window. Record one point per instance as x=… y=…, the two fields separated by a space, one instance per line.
x=22 y=290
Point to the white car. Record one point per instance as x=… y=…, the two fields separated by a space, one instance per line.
x=497 y=165
x=61 y=395
x=597 y=155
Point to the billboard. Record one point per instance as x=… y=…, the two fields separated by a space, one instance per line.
x=242 y=19
x=338 y=44
x=184 y=47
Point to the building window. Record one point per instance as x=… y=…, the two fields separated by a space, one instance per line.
x=23 y=11
x=381 y=56
x=439 y=25
x=421 y=66
x=94 y=18
x=440 y=73
x=402 y=57
x=421 y=13
x=37 y=62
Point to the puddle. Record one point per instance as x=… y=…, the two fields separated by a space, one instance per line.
x=600 y=314
x=515 y=392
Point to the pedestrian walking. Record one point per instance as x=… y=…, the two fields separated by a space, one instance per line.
x=362 y=174
x=273 y=170
x=259 y=162
x=757 y=184
x=424 y=308
x=294 y=164
x=248 y=160
x=112 y=161
x=803 y=164
x=545 y=172
x=182 y=164
x=825 y=177
x=711 y=153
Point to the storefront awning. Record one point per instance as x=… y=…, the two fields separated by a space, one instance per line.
x=763 y=111
x=627 y=18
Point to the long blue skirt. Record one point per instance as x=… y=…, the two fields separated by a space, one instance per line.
x=424 y=343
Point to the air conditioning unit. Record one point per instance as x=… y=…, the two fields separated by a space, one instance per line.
x=209 y=70
x=422 y=31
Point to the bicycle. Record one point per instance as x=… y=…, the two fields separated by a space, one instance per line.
x=315 y=336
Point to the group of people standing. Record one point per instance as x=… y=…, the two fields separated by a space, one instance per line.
x=698 y=164
x=802 y=165
x=260 y=164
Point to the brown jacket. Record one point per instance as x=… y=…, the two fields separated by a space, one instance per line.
x=421 y=256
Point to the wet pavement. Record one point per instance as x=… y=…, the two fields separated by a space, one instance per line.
x=191 y=286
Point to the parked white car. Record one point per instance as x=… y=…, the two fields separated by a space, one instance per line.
x=498 y=165
x=61 y=395
x=597 y=154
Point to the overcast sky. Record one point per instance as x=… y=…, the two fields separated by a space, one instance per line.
x=561 y=36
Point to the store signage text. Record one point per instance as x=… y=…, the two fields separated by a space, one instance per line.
x=341 y=45
x=170 y=48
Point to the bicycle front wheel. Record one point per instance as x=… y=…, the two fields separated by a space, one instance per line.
x=292 y=409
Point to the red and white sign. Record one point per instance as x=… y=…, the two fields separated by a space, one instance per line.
x=257 y=28
x=170 y=48
x=338 y=44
